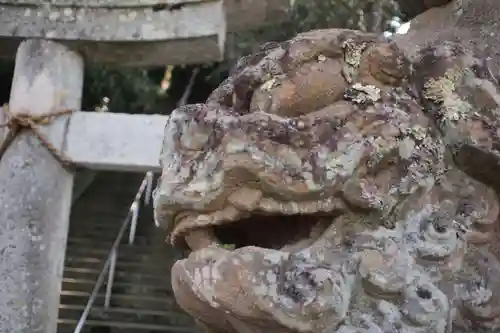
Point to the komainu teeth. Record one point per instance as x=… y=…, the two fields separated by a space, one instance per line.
x=200 y=238
x=227 y=214
x=306 y=207
x=203 y=221
x=245 y=199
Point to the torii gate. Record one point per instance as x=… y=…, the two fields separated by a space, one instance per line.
x=52 y=40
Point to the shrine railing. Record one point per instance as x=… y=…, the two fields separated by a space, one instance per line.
x=108 y=270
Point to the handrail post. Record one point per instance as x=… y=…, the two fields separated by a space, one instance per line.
x=134 y=209
x=111 y=277
x=149 y=187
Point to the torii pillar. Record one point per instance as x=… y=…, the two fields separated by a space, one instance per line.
x=35 y=191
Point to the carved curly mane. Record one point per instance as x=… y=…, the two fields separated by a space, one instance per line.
x=331 y=184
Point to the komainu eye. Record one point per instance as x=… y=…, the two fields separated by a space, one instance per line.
x=425 y=305
x=438 y=237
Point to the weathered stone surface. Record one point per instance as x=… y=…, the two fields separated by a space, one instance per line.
x=171 y=32
x=109 y=147
x=35 y=191
x=99 y=3
x=347 y=202
x=126 y=35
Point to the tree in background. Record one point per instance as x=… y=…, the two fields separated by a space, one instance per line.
x=136 y=90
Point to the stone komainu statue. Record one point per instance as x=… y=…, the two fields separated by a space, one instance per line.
x=340 y=182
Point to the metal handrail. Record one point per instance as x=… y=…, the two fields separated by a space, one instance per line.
x=109 y=266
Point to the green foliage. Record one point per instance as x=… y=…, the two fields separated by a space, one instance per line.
x=371 y=15
x=6 y=72
x=130 y=90
x=229 y=247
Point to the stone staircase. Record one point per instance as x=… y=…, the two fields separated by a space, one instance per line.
x=142 y=300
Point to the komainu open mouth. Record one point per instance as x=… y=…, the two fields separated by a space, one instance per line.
x=278 y=232
x=285 y=226
x=318 y=195
x=285 y=233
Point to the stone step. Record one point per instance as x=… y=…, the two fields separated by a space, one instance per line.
x=85 y=246
x=126 y=257
x=137 y=287
x=123 y=264
x=142 y=300
x=161 y=302
x=115 y=221
x=140 y=250
x=102 y=234
x=75 y=311
x=101 y=208
x=125 y=252
x=140 y=244
x=128 y=315
x=105 y=235
x=120 y=274
x=101 y=239
x=125 y=327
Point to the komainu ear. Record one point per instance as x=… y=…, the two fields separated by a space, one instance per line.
x=411 y=8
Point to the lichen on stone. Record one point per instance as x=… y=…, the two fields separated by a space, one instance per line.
x=347 y=206
x=362 y=94
x=352 y=57
x=442 y=91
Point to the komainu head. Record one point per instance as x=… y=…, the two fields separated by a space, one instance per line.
x=331 y=185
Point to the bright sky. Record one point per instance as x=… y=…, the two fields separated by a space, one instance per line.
x=403 y=28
